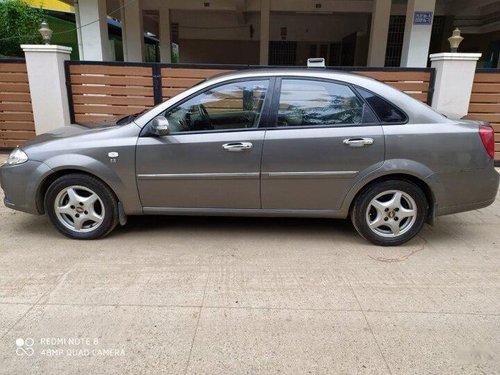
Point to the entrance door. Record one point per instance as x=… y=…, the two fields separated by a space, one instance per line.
x=324 y=136
x=211 y=158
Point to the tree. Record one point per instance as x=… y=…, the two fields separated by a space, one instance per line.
x=19 y=24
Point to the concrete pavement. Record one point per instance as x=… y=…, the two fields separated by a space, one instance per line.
x=186 y=295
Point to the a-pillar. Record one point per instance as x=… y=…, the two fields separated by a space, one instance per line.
x=417 y=36
x=378 y=34
x=132 y=31
x=265 y=12
x=92 y=23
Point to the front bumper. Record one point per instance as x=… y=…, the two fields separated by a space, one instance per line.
x=20 y=185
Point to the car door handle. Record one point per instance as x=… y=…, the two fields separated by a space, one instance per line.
x=237 y=146
x=358 y=142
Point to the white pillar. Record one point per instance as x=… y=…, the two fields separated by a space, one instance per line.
x=93 y=36
x=265 y=11
x=164 y=26
x=417 y=35
x=378 y=34
x=47 y=81
x=132 y=31
x=454 y=80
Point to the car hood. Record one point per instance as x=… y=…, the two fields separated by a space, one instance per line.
x=75 y=137
x=61 y=133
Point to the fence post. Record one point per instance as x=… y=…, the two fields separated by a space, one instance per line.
x=69 y=90
x=454 y=79
x=45 y=66
x=157 y=85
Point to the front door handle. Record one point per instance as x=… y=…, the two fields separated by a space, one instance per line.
x=358 y=142
x=237 y=146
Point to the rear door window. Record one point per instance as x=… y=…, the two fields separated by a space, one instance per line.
x=305 y=102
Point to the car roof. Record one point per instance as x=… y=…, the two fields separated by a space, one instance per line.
x=304 y=72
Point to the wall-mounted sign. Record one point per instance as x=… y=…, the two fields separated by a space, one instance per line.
x=422 y=18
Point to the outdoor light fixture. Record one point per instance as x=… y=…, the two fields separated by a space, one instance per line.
x=46 y=32
x=455 y=39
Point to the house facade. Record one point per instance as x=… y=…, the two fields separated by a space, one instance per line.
x=284 y=32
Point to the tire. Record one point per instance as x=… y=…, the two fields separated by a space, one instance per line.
x=81 y=207
x=390 y=212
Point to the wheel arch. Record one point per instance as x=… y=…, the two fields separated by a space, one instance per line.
x=418 y=181
x=49 y=179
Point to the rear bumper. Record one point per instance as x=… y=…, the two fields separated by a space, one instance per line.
x=20 y=185
x=463 y=208
x=467 y=190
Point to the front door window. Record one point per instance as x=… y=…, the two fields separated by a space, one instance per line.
x=237 y=105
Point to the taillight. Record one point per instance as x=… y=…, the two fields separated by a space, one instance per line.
x=488 y=138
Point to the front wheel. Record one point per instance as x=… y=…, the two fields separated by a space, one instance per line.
x=81 y=207
x=390 y=212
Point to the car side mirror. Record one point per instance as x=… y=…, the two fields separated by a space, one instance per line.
x=159 y=126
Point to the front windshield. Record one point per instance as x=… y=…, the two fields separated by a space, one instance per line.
x=129 y=118
x=108 y=121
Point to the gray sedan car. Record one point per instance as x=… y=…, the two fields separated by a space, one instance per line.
x=308 y=143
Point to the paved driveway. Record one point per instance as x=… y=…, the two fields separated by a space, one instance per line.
x=250 y=296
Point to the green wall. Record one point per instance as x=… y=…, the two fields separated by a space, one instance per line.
x=64 y=34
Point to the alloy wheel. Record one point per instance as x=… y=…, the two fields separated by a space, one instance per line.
x=79 y=209
x=391 y=213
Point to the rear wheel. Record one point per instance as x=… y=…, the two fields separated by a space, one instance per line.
x=390 y=212
x=81 y=207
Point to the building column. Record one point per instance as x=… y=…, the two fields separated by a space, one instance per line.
x=93 y=39
x=47 y=81
x=417 y=37
x=454 y=79
x=378 y=34
x=132 y=31
x=164 y=29
x=265 y=11
x=78 y=30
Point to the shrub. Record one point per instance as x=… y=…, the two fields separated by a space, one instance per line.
x=19 y=24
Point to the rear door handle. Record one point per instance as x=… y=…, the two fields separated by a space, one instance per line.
x=358 y=142
x=237 y=146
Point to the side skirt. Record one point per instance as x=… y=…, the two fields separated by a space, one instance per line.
x=243 y=212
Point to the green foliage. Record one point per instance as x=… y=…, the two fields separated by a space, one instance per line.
x=19 y=24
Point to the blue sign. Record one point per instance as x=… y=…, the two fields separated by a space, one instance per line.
x=422 y=18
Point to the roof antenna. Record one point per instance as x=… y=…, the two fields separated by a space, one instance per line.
x=316 y=62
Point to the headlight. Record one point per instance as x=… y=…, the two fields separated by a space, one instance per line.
x=17 y=156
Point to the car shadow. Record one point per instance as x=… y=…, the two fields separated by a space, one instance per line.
x=304 y=228
x=253 y=225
